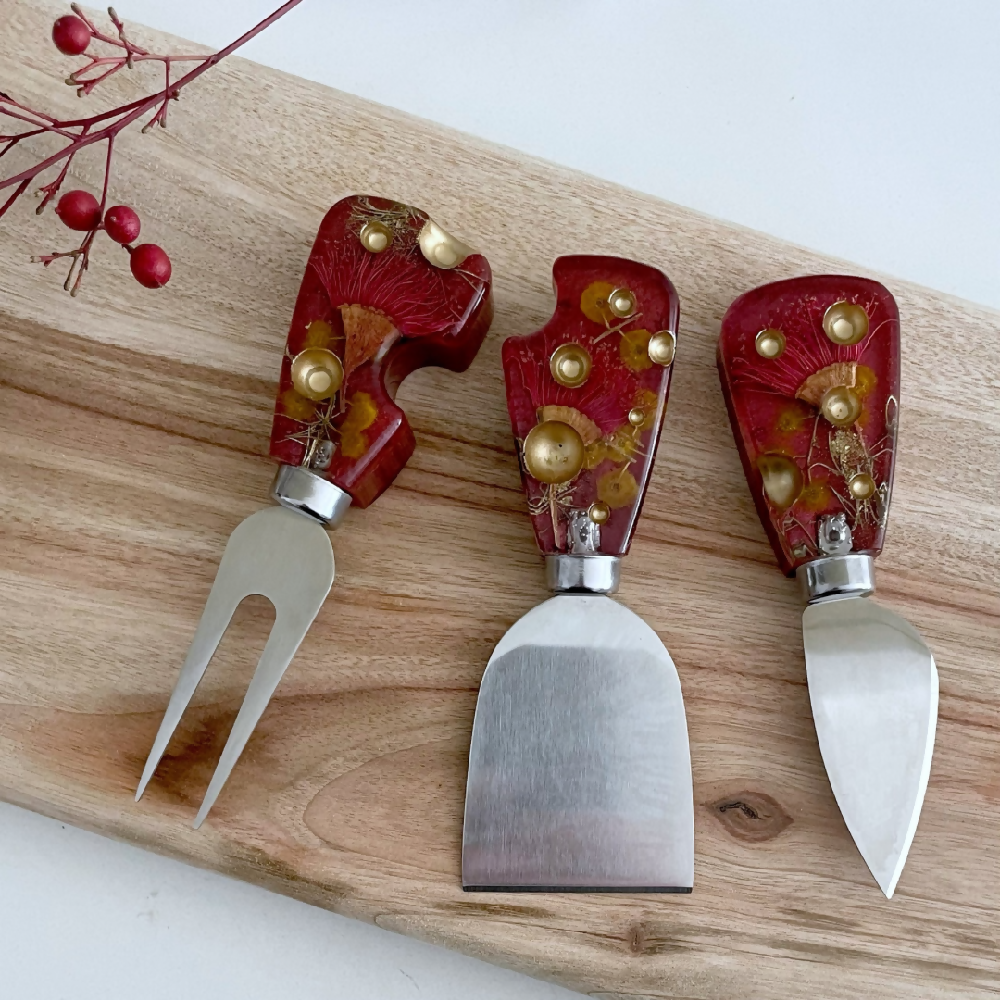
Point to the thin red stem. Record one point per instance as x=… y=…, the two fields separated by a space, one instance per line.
x=43 y=128
x=138 y=108
x=81 y=132
x=7 y=99
x=107 y=176
x=101 y=60
x=18 y=191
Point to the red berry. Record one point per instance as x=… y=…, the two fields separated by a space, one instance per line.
x=71 y=35
x=150 y=265
x=122 y=224
x=79 y=210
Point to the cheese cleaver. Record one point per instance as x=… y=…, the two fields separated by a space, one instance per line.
x=579 y=766
x=810 y=372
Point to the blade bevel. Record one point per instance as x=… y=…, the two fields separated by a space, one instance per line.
x=286 y=557
x=873 y=686
x=579 y=768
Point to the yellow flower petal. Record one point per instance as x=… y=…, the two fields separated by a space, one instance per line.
x=318 y=334
x=864 y=380
x=594 y=454
x=617 y=488
x=361 y=413
x=295 y=406
x=815 y=495
x=623 y=442
x=594 y=301
x=634 y=350
x=353 y=444
x=792 y=418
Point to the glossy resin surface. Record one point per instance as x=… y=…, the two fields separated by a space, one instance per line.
x=813 y=414
x=616 y=320
x=386 y=291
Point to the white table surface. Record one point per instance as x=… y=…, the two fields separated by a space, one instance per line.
x=868 y=130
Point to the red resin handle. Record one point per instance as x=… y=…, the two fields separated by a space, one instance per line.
x=386 y=291
x=810 y=372
x=587 y=395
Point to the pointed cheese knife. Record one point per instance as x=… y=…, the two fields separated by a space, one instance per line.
x=386 y=291
x=579 y=768
x=810 y=372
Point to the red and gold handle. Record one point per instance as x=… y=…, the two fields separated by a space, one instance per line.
x=587 y=395
x=810 y=373
x=386 y=291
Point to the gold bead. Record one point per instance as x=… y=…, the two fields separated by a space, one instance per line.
x=661 y=348
x=862 y=486
x=553 y=452
x=317 y=373
x=599 y=512
x=770 y=343
x=782 y=479
x=570 y=365
x=845 y=323
x=440 y=247
x=840 y=405
x=637 y=416
x=375 y=236
x=622 y=302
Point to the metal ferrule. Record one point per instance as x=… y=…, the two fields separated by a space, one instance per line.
x=302 y=490
x=832 y=577
x=582 y=574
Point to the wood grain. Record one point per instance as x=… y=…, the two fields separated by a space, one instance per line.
x=134 y=429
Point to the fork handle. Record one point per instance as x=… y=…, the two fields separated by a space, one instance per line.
x=386 y=291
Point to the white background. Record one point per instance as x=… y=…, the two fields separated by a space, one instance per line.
x=869 y=129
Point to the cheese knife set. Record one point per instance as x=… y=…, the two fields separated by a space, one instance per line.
x=579 y=765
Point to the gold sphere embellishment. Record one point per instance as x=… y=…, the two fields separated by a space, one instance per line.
x=375 y=236
x=845 y=323
x=637 y=416
x=553 y=452
x=661 y=348
x=862 y=486
x=770 y=343
x=622 y=302
x=440 y=248
x=317 y=373
x=599 y=512
x=570 y=365
x=782 y=479
x=840 y=405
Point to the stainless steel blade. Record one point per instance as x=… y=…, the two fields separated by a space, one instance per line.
x=874 y=692
x=286 y=557
x=579 y=768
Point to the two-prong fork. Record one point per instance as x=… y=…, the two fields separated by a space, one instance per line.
x=386 y=291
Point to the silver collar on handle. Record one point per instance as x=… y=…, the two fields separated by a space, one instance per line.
x=839 y=572
x=301 y=490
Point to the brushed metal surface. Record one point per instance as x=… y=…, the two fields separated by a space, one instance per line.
x=874 y=692
x=285 y=556
x=579 y=768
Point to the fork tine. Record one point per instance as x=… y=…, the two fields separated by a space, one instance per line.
x=219 y=609
x=286 y=557
x=287 y=633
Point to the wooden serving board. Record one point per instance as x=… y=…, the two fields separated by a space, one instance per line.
x=134 y=430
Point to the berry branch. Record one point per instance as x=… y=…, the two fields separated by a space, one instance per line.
x=80 y=210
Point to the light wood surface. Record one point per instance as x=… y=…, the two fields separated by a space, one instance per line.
x=134 y=425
